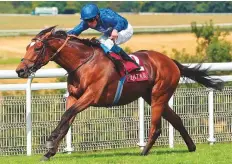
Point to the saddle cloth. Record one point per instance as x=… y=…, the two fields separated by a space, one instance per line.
x=130 y=68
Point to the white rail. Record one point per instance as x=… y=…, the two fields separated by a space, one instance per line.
x=60 y=72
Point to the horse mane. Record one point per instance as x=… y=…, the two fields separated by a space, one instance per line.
x=89 y=42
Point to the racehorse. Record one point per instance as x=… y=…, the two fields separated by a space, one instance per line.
x=92 y=81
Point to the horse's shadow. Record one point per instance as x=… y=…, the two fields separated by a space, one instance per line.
x=112 y=154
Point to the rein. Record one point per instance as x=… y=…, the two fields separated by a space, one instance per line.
x=87 y=60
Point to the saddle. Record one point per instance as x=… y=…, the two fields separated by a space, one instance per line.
x=126 y=65
x=122 y=66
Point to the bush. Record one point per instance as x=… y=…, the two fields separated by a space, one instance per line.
x=205 y=31
x=128 y=50
x=219 y=51
x=211 y=42
x=184 y=57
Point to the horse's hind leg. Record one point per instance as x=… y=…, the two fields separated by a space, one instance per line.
x=176 y=122
x=159 y=101
x=154 y=133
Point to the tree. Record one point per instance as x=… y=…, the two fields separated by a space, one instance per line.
x=202 y=7
x=6 y=7
x=122 y=6
x=130 y=7
x=185 y=7
x=70 y=8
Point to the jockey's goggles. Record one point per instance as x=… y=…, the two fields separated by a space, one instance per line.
x=90 y=20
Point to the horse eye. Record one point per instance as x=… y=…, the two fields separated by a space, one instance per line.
x=38 y=46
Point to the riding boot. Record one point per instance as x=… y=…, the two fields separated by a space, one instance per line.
x=123 y=54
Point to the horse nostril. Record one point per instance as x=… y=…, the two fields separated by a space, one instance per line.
x=20 y=72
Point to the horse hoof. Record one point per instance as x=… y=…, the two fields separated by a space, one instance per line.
x=49 y=145
x=143 y=153
x=192 y=149
x=44 y=159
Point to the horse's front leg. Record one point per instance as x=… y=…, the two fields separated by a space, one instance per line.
x=53 y=149
x=74 y=106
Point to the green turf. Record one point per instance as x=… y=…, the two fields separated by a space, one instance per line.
x=205 y=154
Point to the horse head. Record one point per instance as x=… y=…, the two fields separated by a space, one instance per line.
x=40 y=51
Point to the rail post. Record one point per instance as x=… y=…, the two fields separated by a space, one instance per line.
x=171 y=129
x=28 y=116
x=68 y=148
x=141 y=123
x=211 y=138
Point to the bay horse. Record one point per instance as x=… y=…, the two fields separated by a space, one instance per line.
x=92 y=81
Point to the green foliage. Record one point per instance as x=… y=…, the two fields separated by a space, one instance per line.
x=128 y=50
x=202 y=7
x=211 y=45
x=6 y=7
x=205 y=31
x=184 y=57
x=219 y=51
x=69 y=7
x=131 y=7
x=211 y=42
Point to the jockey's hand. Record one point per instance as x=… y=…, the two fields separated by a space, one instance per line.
x=114 y=35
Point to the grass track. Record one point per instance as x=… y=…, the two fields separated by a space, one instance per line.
x=205 y=154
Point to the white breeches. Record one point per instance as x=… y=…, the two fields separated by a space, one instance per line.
x=123 y=36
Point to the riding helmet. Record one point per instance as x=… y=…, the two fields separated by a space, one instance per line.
x=89 y=11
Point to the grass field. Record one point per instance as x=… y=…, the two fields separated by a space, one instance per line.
x=68 y=21
x=205 y=154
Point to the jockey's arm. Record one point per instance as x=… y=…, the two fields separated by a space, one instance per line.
x=121 y=24
x=78 y=29
x=117 y=22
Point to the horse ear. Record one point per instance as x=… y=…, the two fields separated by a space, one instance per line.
x=44 y=31
x=59 y=33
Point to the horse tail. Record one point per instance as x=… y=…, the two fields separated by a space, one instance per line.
x=200 y=76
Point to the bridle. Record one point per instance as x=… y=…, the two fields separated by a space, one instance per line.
x=38 y=62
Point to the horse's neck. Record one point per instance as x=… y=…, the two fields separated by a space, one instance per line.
x=70 y=58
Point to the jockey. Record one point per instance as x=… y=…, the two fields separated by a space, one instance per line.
x=116 y=29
